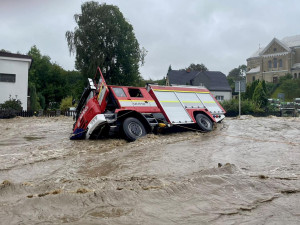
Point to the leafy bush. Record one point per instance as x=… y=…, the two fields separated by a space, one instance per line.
x=248 y=107
x=12 y=103
x=66 y=103
x=11 y=107
x=260 y=96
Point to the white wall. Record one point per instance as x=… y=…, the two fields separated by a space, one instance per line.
x=227 y=94
x=20 y=68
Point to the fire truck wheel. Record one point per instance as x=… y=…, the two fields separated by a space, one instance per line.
x=204 y=122
x=133 y=129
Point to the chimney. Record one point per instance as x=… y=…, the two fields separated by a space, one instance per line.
x=188 y=70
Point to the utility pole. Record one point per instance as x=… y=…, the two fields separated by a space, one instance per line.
x=239 y=98
x=240 y=86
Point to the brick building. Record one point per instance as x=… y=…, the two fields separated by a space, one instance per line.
x=277 y=59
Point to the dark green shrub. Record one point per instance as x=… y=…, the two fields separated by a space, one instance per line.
x=12 y=103
x=10 y=108
x=248 y=107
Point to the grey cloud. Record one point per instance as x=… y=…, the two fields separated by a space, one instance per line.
x=220 y=34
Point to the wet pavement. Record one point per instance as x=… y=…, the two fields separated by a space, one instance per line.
x=246 y=171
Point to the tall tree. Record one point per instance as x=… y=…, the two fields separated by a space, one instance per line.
x=250 y=89
x=48 y=82
x=104 y=38
x=197 y=67
x=237 y=73
x=260 y=96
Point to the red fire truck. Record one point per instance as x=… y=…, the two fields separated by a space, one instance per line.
x=136 y=111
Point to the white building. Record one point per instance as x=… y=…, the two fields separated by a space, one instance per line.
x=14 y=77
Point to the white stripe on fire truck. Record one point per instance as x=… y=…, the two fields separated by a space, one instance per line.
x=146 y=103
x=189 y=101
x=201 y=92
x=136 y=100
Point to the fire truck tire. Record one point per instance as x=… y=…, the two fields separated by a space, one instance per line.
x=204 y=122
x=133 y=129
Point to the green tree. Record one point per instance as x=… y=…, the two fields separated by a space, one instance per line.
x=260 y=96
x=66 y=103
x=104 y=38
x=250 y=89
x=291 y=89
x=75 y=83
x=34 y=100
x=3 y=50
x=288 y=76
x=52 y=82
x=238 y=73
x=197 y=67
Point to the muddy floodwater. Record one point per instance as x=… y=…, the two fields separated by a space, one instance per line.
x=246 y=171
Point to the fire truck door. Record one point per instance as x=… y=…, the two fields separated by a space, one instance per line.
x=103 y=91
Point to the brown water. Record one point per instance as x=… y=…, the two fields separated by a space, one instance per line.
x=244 y=172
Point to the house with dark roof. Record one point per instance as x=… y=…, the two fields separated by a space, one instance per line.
x=214 y=81
x=277 y=59
x=14 y=77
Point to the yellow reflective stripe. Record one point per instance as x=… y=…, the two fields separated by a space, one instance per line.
x=100 y=91
x=209 y=102
x=191 y=101
x=201 y=92
x=169 y=101
x=184 y=101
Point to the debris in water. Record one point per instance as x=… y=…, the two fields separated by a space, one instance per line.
x=56 y=192
x=263 y=176
x=43 y=194
x=6 y=183
x=81 y=191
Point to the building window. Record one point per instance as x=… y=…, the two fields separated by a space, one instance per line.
x=295 y=76
x=274 y=49
x=275 y=63
x=253 y=78
x=299 y=75
x=270 y=64
x=280 y=62
x=220 y=97
x=5 y=77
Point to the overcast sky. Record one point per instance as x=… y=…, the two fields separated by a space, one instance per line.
x=221 y=34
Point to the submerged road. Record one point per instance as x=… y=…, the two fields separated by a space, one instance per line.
x=246 y=171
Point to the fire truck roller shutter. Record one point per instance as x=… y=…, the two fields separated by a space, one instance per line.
x=209 y=103
x=173 y=107
x=189 y=100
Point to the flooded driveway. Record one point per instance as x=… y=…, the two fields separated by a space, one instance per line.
x=244 y=172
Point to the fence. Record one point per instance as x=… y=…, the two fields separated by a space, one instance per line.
x=24 y=113
x=9 y=113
